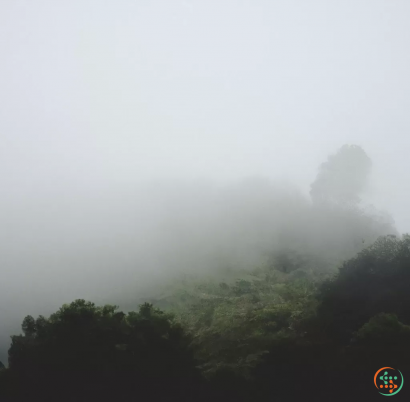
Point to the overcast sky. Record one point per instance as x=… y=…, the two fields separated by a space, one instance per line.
x=122 y=90
x=117 y=92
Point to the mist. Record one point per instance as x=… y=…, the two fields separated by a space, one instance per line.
x=140 y=141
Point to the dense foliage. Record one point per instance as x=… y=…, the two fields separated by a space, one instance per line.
x=330 y=302
x=96 y=353
x=233 y=324
x=376 y=280
x=270 y=333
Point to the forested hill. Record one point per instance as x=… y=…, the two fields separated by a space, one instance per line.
x=271 y=336
x=324 y=297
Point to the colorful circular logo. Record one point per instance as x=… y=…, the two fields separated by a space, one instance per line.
x=388 y=381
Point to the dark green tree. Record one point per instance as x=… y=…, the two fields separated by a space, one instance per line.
x=376 y=281
x=85 y=352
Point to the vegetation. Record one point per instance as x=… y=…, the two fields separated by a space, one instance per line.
x=98 y=353
x=342 y=176
x=249 y=339
x=295 y=327
x=233 y=324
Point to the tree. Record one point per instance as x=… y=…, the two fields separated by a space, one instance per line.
x=99 y=353
x=342 y=177
x=376 y=281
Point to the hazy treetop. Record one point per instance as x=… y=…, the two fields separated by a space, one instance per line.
x=343 y=176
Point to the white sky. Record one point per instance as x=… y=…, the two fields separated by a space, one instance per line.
x=121 y=90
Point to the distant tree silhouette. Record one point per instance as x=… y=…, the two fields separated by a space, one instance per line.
x=342 y=177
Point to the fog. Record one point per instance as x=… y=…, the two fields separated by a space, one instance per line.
x=144 y=139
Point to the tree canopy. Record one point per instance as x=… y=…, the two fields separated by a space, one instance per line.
x=342 y=177
x=376 y=280
x=101 y=353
